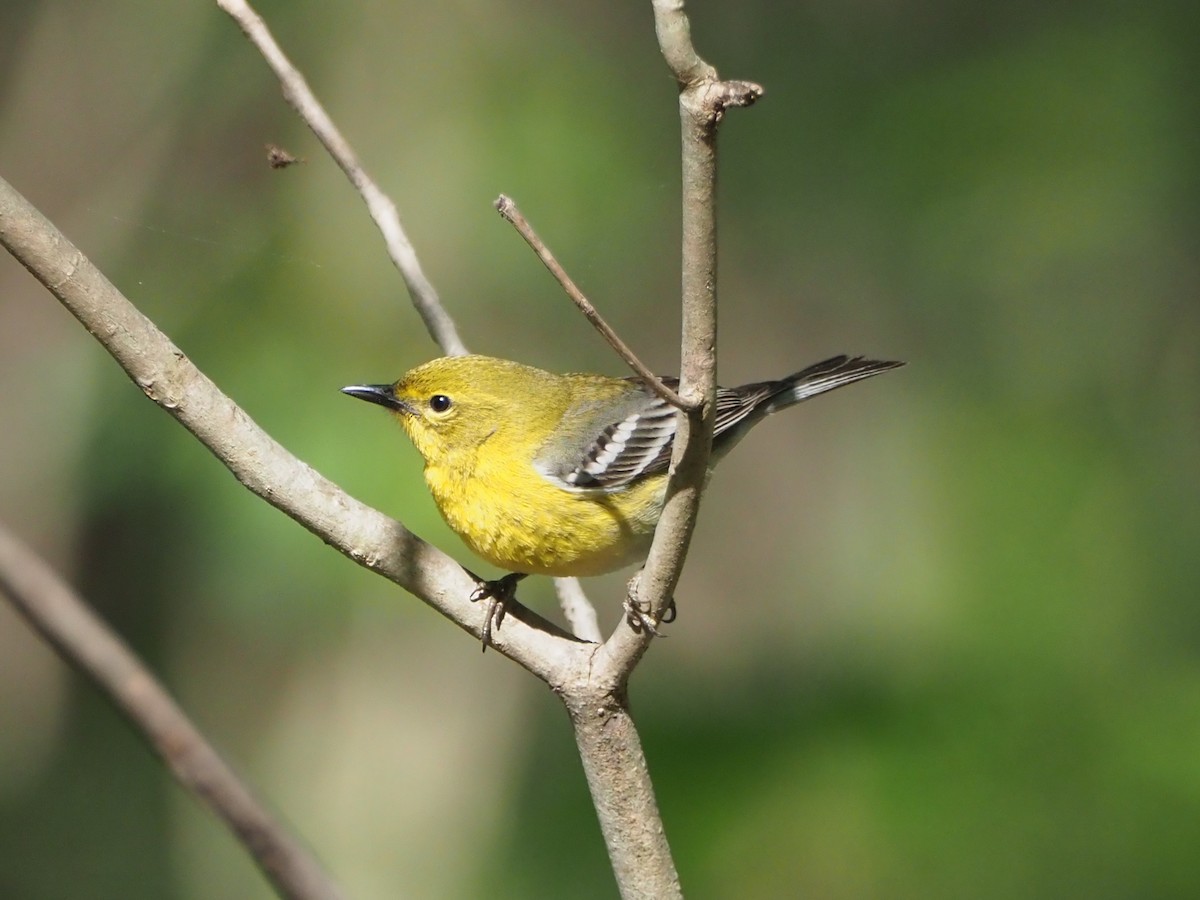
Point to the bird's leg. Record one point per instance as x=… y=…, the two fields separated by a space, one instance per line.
x=499 y=594
x=637 y=612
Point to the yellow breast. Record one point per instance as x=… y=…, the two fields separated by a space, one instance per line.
x=515 y=519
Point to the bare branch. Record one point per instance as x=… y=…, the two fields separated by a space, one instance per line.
x=624 y=799
x=87 y=643
x=297 y=92
x=623 y=795
x=674 y=34
x=508 y=209
x=703 y=100
x=578 y=609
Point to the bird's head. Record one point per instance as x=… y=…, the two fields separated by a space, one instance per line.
x=449 y=407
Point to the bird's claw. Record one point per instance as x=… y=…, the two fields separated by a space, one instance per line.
x=638 y=615
x=499 y=594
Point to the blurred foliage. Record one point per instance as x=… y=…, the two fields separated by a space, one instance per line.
x=940 y=634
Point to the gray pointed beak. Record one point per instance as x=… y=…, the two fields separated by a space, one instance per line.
x=382 y=394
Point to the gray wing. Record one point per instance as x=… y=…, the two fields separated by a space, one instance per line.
x=603 y=454
x=611 y=454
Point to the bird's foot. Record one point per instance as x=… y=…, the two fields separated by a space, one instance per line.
x=638 y=613
x=499 y=594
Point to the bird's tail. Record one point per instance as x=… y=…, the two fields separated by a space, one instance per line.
x=822 y=377
x=739 y=409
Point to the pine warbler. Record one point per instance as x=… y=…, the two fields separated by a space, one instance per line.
x=564 y=474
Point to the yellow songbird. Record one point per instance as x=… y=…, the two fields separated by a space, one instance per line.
x=563 y=474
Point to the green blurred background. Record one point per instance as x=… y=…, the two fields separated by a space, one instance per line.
x=940 y=634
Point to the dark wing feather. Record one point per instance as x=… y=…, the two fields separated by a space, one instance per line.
x=640 y=443
x=637 y=445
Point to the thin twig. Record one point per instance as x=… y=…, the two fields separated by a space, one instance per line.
x=297 y=92
x=578 y=609
x=507 y=208
x=674 y=34
x=83 y=640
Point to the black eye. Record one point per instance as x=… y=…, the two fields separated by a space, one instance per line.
x=439 y=403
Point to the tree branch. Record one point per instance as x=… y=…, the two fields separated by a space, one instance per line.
x=297 y=92
x=508 y=210
x=703 y=100
x=623 y=795
x=84 y=641
x=674 y=33
x=642 y=860
x=578 y=609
